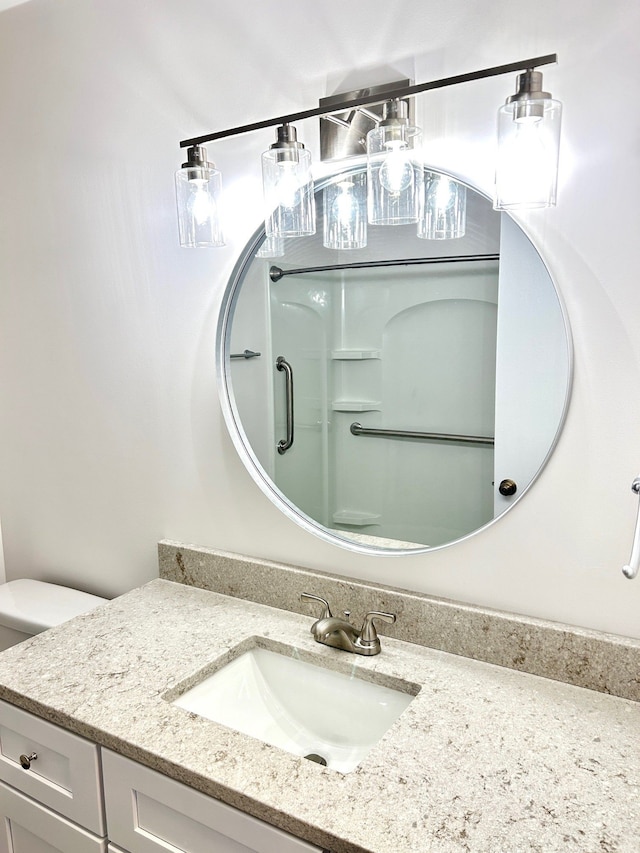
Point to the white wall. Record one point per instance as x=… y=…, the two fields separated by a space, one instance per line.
x=3 y=575
x=111 y=434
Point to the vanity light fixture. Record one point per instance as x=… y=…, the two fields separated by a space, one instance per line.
x=529 y=127
x=528 y=146
x=394 y=168
x=198 y=185
x=288 y=187
x=445 y=208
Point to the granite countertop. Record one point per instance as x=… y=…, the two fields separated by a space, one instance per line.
x=485 y=759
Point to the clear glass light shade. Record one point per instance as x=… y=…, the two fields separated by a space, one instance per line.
x=288 y=192
x=272 y=247
x=445 y=208
x=527 y=161
x=395 y=175
x=345 y=212
x=198 y=199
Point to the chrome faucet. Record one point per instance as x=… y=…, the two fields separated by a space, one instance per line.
x=341 y=634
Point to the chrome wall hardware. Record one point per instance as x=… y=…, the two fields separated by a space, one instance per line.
x=282 y=364
x=358 y=429
x=402 y=91
x=341 y=634
x=276 y=273
x=631 y=570
x=247 y=353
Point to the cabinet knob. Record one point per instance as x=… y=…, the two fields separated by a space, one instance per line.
x=507 y=488
x=25 y=760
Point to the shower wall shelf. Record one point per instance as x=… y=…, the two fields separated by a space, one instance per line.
x=356 y=518
x=356 y=405
x=354 y=354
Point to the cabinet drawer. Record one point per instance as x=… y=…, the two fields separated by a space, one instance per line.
x=28 y=827
x=148 y=812
x=65 y=776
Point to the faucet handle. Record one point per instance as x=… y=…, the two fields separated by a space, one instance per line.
x=327 y=610
x=368 y=634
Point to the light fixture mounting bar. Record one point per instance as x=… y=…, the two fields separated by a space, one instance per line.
x=403 y=92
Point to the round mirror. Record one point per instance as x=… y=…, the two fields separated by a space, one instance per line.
x=398 y=396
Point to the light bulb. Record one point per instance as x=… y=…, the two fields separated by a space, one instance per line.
x=525 y=119
x=342 y=208
x=527 y=163
x=345 y=217
x=288 y=183
x=202 y=205
x=396 y=171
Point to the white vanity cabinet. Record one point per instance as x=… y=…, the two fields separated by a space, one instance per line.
x=53 y=804
x=57 y=803
x=148 y=812
x=28 y=827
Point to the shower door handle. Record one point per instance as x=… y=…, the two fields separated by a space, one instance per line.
x=282 y=364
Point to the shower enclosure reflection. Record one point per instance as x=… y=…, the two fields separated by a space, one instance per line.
x=410 y=358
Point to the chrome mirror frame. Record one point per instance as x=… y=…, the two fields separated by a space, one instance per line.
x=241 y=443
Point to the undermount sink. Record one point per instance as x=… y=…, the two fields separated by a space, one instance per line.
x=298 y=706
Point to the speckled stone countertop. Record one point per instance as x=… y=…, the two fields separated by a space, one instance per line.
x=485 y=759
x=585 y=658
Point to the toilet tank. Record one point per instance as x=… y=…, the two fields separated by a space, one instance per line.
x=28 y=607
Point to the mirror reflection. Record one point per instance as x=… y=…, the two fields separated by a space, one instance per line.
x=401 y=395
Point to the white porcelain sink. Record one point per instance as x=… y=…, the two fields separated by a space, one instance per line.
x=298 y=706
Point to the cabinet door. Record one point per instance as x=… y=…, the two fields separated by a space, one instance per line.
x=148 y=812
x=27 y=827
x=65 y=776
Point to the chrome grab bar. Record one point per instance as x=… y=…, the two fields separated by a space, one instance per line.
x=358 y=429
x=631 y=570
x=282 y=364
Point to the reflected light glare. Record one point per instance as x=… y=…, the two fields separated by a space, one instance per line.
x=319 y=297
x=444 y=193
x=242 y=201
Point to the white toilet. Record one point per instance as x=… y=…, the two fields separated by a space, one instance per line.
x=28 y=607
